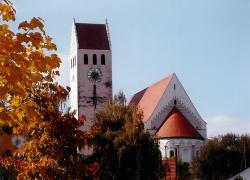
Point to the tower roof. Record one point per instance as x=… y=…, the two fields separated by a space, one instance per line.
x=92 y=36
x=176 y=125
x=148 y=98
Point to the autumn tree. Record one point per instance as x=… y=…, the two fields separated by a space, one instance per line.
x=123 y=149
x=223 y=156
x=29 y=104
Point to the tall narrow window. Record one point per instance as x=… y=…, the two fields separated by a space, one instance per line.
x=171 y=153
x=71 y=63
x=86 y=59
x=94 y=59
x=103 y=59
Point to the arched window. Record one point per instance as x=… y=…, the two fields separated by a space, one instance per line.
x=171 y=153
x=197 y=153
x=94 y=59
x=103 y=59
x=86 y=59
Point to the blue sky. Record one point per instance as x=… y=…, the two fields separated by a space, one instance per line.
x=205 y=42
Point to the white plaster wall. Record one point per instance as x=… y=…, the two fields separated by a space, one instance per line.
x=73 y=72
x=85 y=87
x=244 y=174
x=187 y=148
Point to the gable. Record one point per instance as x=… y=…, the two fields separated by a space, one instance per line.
x=157 y=103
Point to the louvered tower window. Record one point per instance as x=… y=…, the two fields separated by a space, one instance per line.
x=86 y=59
x=94 y=59
x=103 y=59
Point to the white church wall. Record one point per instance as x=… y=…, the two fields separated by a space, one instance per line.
x=85 y=87
x=187 y=148
x=73 y=71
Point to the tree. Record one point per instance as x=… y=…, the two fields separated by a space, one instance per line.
x=223 y=157
x=29 y=104
x=123 y=149
x=183 y=170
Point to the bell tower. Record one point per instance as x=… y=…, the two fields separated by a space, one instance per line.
x=90 y=69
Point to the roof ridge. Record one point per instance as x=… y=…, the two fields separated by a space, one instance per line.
x=89 y=23
x=154 y=94
x=158 y=82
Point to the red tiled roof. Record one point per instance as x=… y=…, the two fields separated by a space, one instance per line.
x=92 y=36
x=149 y=98
x=177 y=126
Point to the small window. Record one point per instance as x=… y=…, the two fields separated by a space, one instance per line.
x=86 y=59
x=75 y=60
x=171 y=153
x=174 y=87
x=71 y=63
x=197 y=153
x=94 y=59
x=103 y=59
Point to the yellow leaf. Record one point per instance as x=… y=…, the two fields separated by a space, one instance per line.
x=7 y=11
x=15 y=100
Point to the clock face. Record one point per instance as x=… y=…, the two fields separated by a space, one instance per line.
x=94 y=75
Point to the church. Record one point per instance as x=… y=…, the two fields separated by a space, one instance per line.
x=169 y=114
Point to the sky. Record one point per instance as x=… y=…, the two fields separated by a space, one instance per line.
x=205 y=42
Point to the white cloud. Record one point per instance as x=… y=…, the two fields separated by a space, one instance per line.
x=219 y=125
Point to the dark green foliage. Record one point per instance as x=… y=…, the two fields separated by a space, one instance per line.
x=123 y=149
x=183 y=171
x=223 y=157
x=7 y=173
